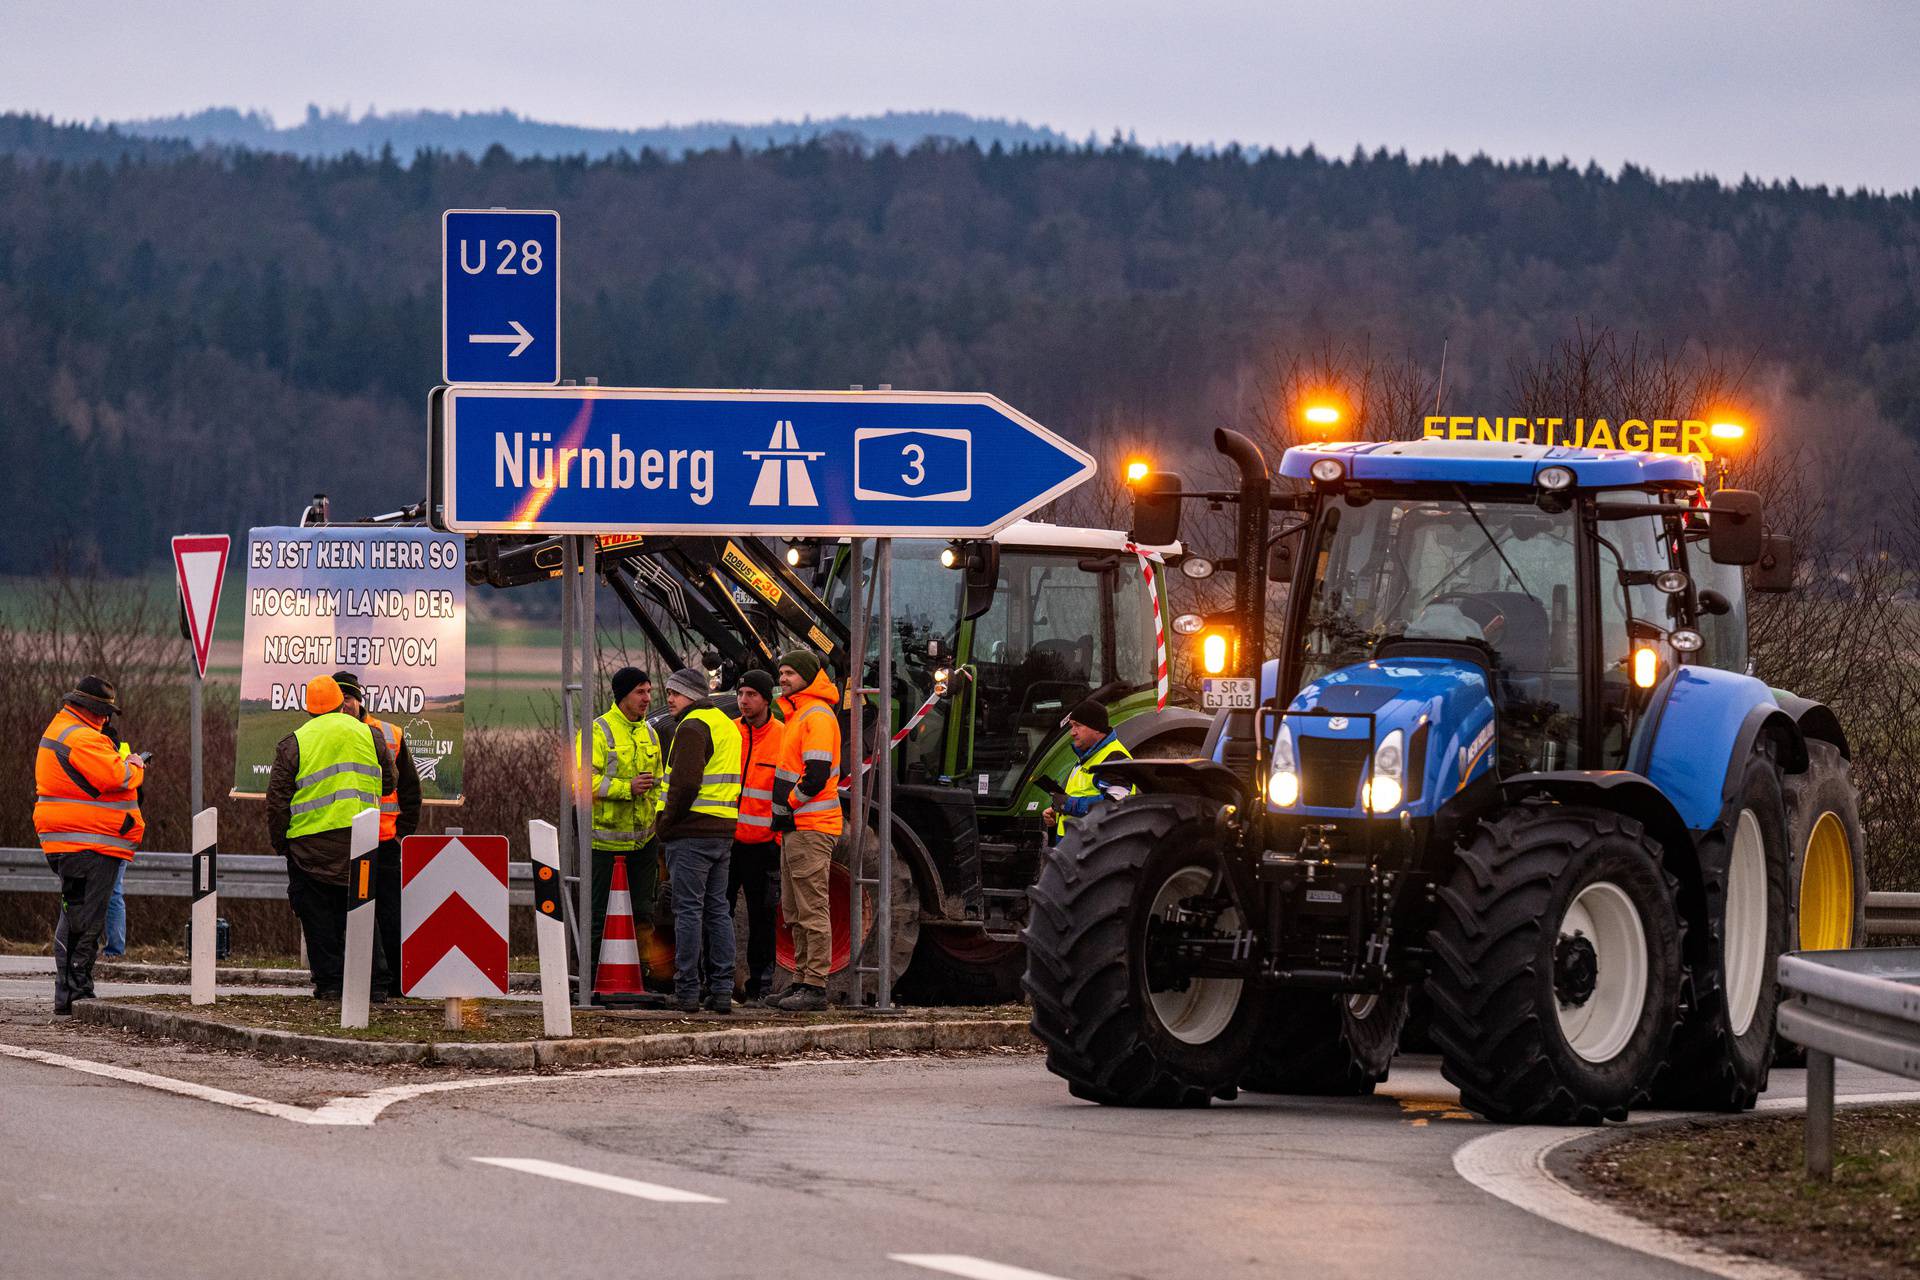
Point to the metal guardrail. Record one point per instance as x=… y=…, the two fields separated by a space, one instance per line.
x=1893 y=915
x=170 y=875
x=1859 y=1006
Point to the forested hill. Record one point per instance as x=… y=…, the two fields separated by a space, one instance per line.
x=201 y=342
x=326 y=134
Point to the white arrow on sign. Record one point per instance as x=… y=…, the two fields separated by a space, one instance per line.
x=519 y=337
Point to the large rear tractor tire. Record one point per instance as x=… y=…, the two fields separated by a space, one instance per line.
x=1827 y=904
x=1827 y=897
x=1113 y=1034
x=1327 y=1045
x=1556 y=966
x=1723 y=1048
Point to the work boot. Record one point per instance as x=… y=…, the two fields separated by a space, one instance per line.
x=687 y=1004
x=803 y=999
x=720 y=1002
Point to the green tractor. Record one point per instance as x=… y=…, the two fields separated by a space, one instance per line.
x=1507 y=756
x=1017 y=629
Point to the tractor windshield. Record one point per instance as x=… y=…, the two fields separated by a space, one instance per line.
x=1500 y=576
x=1064 y=625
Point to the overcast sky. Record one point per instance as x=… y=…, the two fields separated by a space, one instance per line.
x=1825 y=91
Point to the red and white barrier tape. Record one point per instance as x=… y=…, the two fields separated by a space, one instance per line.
x=913 y=722
x=1159 y=625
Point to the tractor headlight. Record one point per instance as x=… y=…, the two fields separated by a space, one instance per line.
x=1384 y=791
x=1327 y=470
x=1283 y=785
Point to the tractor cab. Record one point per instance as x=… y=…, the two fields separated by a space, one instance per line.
x=1016 y=631
x=1462 y=612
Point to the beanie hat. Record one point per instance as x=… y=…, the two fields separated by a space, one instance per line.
x=688 y=682
x=349 y=684
x=626 y=680
x=323 y=695
x=760 y=682
x=803 y=663
x=91 y=693
x=1092 y=715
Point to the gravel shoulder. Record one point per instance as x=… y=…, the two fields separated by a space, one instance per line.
x=1739 y=1186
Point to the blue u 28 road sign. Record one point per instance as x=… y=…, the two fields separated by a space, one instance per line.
x=779 y=463
x=500 y=296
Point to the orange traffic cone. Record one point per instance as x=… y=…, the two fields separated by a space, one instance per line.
x=618 y=970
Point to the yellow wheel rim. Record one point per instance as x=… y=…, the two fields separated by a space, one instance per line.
x=1826 y=887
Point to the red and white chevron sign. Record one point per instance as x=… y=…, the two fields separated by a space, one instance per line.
x=453 y=915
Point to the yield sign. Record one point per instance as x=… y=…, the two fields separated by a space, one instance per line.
x=200 y=563
x=453 y=915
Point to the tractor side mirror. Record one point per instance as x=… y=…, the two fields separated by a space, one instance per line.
x=1734 y=532
x=1156 y=509
x=982 y=577
x=1280 y=561
x=1773 y=571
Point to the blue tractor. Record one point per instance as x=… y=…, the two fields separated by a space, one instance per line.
x=1507 y=764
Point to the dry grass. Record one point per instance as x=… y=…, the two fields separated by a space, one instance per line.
x=1739 y=1186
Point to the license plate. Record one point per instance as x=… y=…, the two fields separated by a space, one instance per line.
x=1228 y=694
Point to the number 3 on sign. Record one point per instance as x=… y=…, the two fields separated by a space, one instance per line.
x=528 y=252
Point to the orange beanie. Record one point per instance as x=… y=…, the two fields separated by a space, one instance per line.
x=323 y=694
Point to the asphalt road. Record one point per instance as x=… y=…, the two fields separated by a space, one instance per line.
x=813 y=1169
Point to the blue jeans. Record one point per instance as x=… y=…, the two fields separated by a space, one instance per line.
x=116 y=943
x=702 y=916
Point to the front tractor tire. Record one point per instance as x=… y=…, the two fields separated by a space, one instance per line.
x=1117 y=1035
x=1555 y=978
x=1723 y=1048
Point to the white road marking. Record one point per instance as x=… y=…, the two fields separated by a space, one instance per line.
x=959 y=1264
x=602 y=1181
x=166 y=1084
x=1512 y=1165
x=361 y=1110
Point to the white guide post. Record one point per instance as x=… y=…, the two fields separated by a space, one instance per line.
x=549 y=930
x=360 y=891
x=206 y=904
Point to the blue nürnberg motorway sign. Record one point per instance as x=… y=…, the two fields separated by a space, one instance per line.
x=780 y=463
x=500 y=296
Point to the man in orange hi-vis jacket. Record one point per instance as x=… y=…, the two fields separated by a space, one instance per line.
x=87 y=812
x=806 y=807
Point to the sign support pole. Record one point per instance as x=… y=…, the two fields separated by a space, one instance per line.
x=356 y=991
x=883 y=767
x=556 y=1010
x=569 y=751
x=858 y=607
x=206 y=899
x=583 y=775
x=194 y=740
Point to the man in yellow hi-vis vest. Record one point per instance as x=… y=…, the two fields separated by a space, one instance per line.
x=696 y=827
x=326 y=772
x=626 y=770
x=1093 y=743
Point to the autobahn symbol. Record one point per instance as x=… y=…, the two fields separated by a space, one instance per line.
x=453 y=916
x=783 y=455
